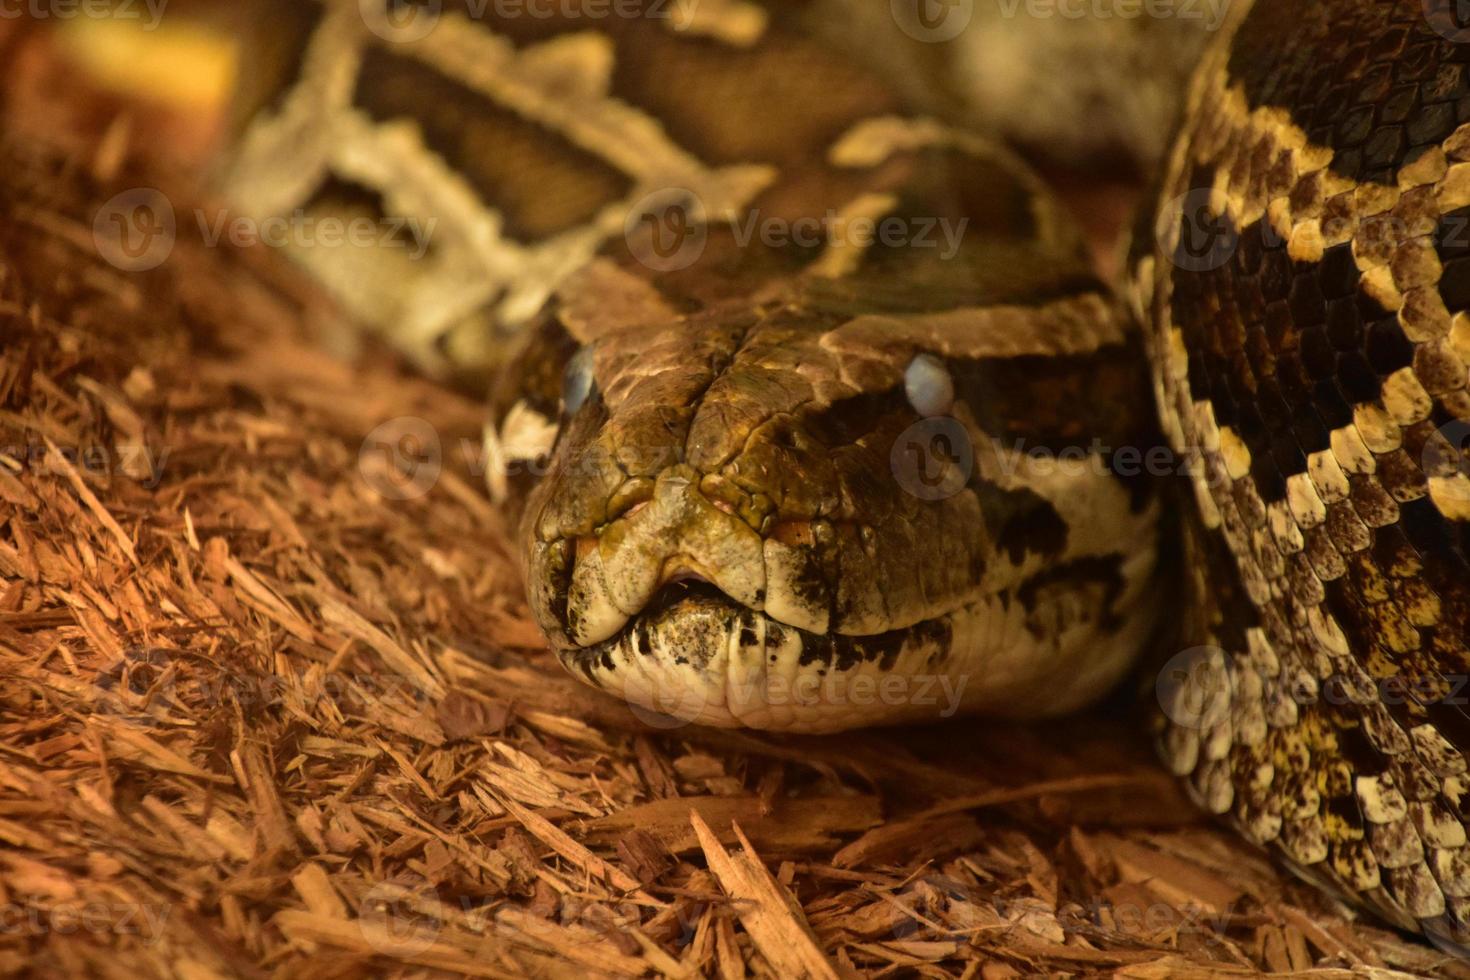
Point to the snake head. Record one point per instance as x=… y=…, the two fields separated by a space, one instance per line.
x=753 y=518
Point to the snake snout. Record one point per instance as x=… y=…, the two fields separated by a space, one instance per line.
x=677 y=537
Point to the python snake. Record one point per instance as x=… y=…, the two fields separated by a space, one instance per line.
x=813 y=413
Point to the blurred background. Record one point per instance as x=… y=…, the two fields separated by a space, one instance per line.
x=1087 y=91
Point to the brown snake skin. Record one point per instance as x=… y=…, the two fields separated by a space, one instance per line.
x=1309 y=339
x=748 y=522
x=727 y=514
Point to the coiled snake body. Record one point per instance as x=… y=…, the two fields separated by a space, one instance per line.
x=1316 y=361
x=815 y=416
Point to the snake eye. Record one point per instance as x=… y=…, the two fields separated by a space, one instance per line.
x=577 y=380
x=928 y=385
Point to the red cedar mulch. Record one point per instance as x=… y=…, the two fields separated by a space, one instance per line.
x=258 y=718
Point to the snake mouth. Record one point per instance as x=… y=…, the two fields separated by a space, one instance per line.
x=695 y=655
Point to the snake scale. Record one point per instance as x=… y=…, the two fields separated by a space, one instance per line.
x=813 y=413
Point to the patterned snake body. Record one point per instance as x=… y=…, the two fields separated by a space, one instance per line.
x=1309 y=337
x=808 y=481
